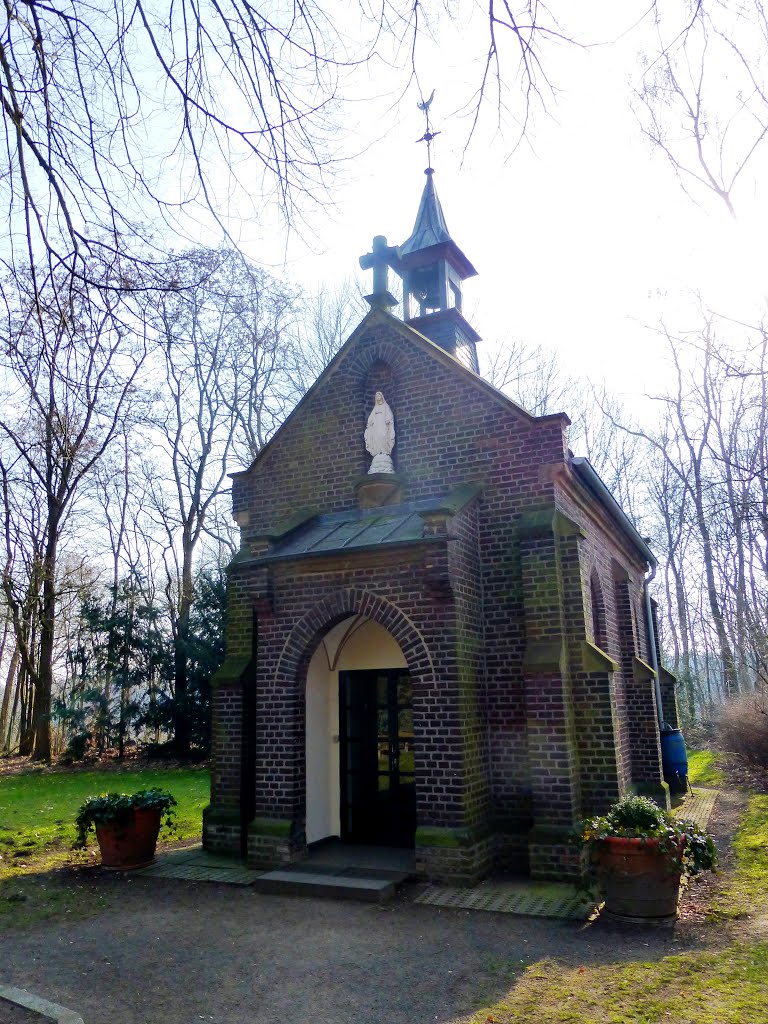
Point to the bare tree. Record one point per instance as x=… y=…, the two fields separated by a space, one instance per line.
x=23 y=519
x=9 y=656
x=80 y=90
x=530 y=375
x=221 y=332
x=116 y=112
x=686 y=449
x=324 y=320
x=704 y=486
x=112 y=484
x=70 y=367
x=534 y=377
x=703 y=98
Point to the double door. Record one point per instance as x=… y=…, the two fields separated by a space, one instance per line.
x=378 y=791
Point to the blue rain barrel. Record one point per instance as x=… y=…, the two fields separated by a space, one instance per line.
x=674 y=760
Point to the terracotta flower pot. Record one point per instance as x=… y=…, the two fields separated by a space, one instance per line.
x=130 y=844
x=640 y=882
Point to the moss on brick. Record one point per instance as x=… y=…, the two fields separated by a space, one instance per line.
x=270 y=827
x=506 y=569
x=231 y=672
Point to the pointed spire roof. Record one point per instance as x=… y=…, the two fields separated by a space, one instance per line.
x=430 y=227
x=431 y=230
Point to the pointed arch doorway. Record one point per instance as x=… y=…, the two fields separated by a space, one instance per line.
x=360 y=769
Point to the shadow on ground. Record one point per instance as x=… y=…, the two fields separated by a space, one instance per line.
x=179 y=952
x=127 y=949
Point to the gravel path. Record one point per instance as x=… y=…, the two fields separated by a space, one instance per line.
x=10 y=1013
x=179 y=953
x=176 y=952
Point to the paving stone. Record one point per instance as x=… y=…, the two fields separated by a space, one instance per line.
x=528 y=899
x=555 y=900
x=698 y=807
x=18 y=1006
x=310 y=883
x=370 y=874
x=196 y=865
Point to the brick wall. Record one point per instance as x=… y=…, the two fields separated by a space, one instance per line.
x=612 y=564
x=449 y=429
x=491 y=614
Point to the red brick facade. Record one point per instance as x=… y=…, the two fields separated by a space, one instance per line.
x=522 y=721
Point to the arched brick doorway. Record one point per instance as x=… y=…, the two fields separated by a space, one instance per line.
x=362 y=675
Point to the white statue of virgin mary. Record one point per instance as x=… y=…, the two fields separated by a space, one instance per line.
x=380 y=436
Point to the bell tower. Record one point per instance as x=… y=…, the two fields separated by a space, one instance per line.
x=433 y=269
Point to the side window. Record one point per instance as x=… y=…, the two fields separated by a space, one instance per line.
x=639 y=627
x=599 y=634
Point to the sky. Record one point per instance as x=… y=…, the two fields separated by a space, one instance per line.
x=582 y=235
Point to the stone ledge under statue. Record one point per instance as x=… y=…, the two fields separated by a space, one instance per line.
x=376 y=490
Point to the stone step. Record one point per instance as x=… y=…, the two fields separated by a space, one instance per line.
x=338 y=886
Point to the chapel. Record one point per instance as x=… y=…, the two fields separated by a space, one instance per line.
x=439 y=635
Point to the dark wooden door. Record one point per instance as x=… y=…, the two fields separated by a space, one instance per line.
x=378 y=790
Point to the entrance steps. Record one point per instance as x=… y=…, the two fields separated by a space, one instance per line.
x=293 y=882
x=332 y=869
x=342 y=872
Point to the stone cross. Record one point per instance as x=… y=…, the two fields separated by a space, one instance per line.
x=381 y=257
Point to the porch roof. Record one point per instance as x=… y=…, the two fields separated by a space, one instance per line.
x=365 y=529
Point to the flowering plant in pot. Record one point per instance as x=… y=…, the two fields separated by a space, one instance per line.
x=126 y=825
x=639 y=853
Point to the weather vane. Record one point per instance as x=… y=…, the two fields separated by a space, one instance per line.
x=428 y=135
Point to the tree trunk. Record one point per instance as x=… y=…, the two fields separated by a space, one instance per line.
x=9 y=681
x=7 y=745
x=181 y=705
x=729 y=673
x=41 y=715
x=111 y=660
x=26 y=736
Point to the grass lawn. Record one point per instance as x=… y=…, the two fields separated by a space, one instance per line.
x=37 y=811
x=724 y=984
x=702 y=770
x=746 y=890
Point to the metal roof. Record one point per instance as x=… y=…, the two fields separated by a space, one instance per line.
x=430 y=227
x=363 y=529
x=345 y=532
x=588 y=475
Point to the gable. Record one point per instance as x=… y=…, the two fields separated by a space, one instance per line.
x=409 y=336
x=451 y=427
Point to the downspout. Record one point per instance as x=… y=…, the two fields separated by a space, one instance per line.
x=652 y=644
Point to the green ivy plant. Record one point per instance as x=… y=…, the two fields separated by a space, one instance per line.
x=639 y=817
x=118 y=808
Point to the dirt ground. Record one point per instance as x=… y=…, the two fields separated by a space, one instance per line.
x=170 y=952
x=173 y=952
x=134 y=760
x=177 y=952
x=11 y=1013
